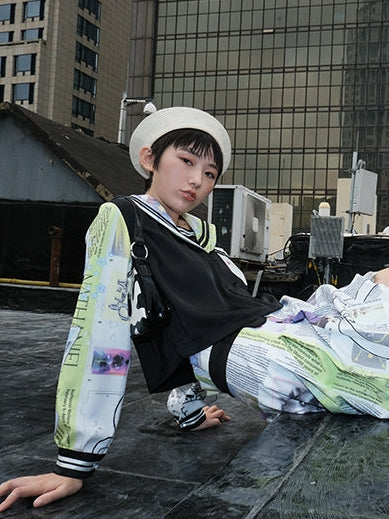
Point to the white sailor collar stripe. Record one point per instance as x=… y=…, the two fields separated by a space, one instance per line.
x=205 y=232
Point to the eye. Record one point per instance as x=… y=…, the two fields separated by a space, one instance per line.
x=211 y=175
x=186 y=160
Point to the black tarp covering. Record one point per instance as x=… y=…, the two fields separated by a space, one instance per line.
x=361 y=254
x=25 y=243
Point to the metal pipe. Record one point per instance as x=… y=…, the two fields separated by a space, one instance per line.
x=127 y=101
x=55 y=256
x=15 y=281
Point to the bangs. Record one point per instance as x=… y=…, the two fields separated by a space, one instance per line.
x=197 y=141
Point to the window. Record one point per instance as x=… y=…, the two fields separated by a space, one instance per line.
x=32 y=34
x=32 y=10
x=2 y=65
x=309 y=77
x=87 y=56
x=7 y=13
x=88 y=29
x=24 y=63
x=5 y=37
x=23 y=92
x=83 y=109
x=1 y=93
x=84 y=82
x=93 y=6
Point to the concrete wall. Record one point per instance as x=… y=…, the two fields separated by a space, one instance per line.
x=30 y=171
x=55 y=62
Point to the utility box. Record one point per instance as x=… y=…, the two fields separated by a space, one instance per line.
x=242 y=219
x=281 y=219
x=326 y=238
x=365 y=185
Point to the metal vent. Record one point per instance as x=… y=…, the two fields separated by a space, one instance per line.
x=222 y=216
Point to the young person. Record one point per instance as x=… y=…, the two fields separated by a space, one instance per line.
x=325 y=354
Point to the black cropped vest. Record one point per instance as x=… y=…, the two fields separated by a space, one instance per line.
x=208 y=302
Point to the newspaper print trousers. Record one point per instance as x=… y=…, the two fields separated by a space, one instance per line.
x=329 y=353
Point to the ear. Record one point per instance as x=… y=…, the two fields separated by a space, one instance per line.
x=146 y=158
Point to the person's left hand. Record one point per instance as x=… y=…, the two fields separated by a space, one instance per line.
x=382 y=276
x=214 y=417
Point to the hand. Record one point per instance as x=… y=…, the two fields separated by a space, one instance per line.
x=214 y=417
x=48 y=488
x=382 y=276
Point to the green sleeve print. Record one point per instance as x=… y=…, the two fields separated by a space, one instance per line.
x=97 y=355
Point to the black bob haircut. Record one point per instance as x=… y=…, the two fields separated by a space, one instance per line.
x=199 y=142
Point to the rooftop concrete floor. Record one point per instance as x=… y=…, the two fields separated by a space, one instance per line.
x=314 y=466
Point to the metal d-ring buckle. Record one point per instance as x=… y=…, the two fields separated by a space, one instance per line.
x=132 y=251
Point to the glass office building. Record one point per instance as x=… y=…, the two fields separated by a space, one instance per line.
x=299 y=84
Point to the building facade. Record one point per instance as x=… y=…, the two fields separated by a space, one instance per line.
x=299 y=84
x=66 y=60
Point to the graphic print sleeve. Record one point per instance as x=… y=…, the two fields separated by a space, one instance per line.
x=97 y=355
x=186 y=404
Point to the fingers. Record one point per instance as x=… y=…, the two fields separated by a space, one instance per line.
x=215 y=412
x=207 y=425
x=16 y=490
x=8 y=501
x=60 y=492
x=213 y=418
x=48 y=488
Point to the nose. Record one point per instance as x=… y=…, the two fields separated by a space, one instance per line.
x=195 y=176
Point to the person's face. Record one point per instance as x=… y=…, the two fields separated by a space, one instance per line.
x=182 y=179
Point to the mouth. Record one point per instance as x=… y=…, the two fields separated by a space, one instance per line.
x=189 y=195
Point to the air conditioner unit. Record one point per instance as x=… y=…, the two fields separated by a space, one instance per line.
x=242 y=220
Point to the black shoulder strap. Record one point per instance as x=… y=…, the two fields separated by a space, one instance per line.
x=130 y=214
x=156 y=307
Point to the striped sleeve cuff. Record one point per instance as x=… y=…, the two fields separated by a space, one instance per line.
x=186 y=404
x=73 y=464
x=193 y=420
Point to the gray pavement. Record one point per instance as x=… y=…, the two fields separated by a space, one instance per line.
x=317 y=466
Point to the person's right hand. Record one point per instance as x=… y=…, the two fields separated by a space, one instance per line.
x=47 y=488
x=213 y=418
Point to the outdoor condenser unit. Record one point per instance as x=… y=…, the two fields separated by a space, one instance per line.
x=242 y=219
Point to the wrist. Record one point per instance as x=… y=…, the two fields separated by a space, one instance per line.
x=74 y=464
